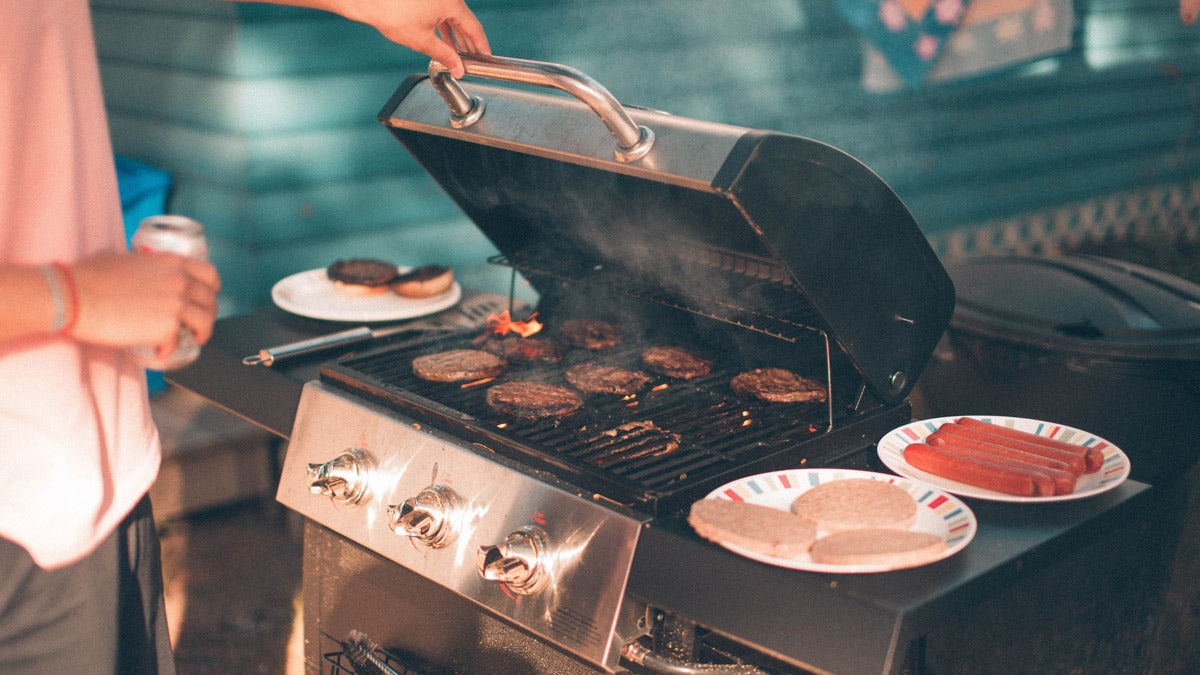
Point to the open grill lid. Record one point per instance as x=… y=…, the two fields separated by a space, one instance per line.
x=771 y=232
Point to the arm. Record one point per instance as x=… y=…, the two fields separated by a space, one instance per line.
x=123 y=300
x=437 y=28
x=1188 y=10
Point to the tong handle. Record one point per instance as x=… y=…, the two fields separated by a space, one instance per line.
x=270 y=355
x=633 y=141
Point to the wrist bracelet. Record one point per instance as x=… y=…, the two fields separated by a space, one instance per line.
x=60 y=310
x=66 y=309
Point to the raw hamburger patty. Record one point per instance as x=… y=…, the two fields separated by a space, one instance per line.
x=458 y=365
x=761 y=529
x=593 y=334
x=675 y=362
x=856 y=504
x=533 y=400
x=877 y=547
x=523 y=349
x=362 y=272
x=777 y=385
x=600 y=379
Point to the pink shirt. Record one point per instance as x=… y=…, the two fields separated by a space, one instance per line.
x=78 y=447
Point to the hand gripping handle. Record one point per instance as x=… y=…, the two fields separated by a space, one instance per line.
x=633 y=141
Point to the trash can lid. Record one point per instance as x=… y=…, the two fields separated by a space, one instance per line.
x=1083 y=303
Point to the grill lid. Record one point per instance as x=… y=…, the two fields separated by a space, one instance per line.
x=772 y=232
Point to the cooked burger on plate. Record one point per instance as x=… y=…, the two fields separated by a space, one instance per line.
x=458 y=365
x=893 y=548
x=761 y=529
x=777 y=385
x=533 y=400
x=362 y=276
x=676 y=362
x=424 y=282
x=596 y=378
x=856 y=504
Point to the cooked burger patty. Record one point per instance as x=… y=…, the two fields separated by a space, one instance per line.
x=600 y=379
x=676 y=362
x=592 y=334
x=533 y=400
x=458 y=365
x=362 y=272
x=778 y=385
x=523 y=349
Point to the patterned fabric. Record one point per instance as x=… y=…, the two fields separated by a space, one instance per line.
x=960 y=40
x=911 y=34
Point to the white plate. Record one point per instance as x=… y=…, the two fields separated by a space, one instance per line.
x=312 y=294
x=938 y=513
x=1113 y=473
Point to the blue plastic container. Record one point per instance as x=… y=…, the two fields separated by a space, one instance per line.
x=144 y=190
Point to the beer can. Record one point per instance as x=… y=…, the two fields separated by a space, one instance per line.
x=179 y=235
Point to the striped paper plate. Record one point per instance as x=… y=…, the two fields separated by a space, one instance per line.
x=1114 y=471
x=938 y=512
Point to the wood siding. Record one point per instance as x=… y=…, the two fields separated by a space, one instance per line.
x=265 y=115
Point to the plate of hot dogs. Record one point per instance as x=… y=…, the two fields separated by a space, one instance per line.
x=1008 y=459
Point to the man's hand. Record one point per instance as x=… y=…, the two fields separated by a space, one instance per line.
x=436 y=28
x=130 y=299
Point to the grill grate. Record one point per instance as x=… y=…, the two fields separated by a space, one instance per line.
x=631 y=449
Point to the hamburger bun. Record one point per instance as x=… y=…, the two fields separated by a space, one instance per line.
x=361 y=276
x=758 y=528
x=424 y=282
x=856 y=504
x=877 y=548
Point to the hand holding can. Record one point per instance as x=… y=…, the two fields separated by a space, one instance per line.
x=178 y=235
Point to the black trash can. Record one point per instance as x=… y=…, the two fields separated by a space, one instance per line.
x=1094 y=343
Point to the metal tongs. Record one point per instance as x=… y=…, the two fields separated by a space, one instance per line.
x=470 y=313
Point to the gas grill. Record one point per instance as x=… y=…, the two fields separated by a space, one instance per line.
x=753 y=249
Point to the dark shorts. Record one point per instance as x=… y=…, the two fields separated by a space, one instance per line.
x=103 y=614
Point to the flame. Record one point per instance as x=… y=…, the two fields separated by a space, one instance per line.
x=503 y=324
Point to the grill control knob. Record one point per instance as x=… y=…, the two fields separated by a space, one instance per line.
x=517 y=562
x=343 y=479
x=426 y=517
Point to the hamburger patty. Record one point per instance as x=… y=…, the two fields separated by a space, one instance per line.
x=458 y=365
x=777 y=385
x=857 y=503
x=761 y=529
x=362 y=272
x=522 y=349
x=533 y=400
x=600 y=379
x=676 y=362
x=593 y=334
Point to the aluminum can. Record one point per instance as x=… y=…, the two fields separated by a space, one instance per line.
x=179 y=235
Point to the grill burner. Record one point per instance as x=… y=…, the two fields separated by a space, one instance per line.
x=666 y=443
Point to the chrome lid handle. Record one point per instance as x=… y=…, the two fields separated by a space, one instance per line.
x=633 y=141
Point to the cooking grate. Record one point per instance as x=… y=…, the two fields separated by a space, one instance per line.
x=675 y=434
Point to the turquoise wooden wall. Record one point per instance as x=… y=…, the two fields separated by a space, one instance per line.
x=265 y=115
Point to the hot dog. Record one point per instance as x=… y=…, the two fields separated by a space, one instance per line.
x=979 y=473
x=978 y=438
x=1093 y=458
x=1064 y=480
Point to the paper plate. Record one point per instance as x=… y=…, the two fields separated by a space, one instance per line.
x=1114 y=471
x=938 y=513
x=312 y=294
